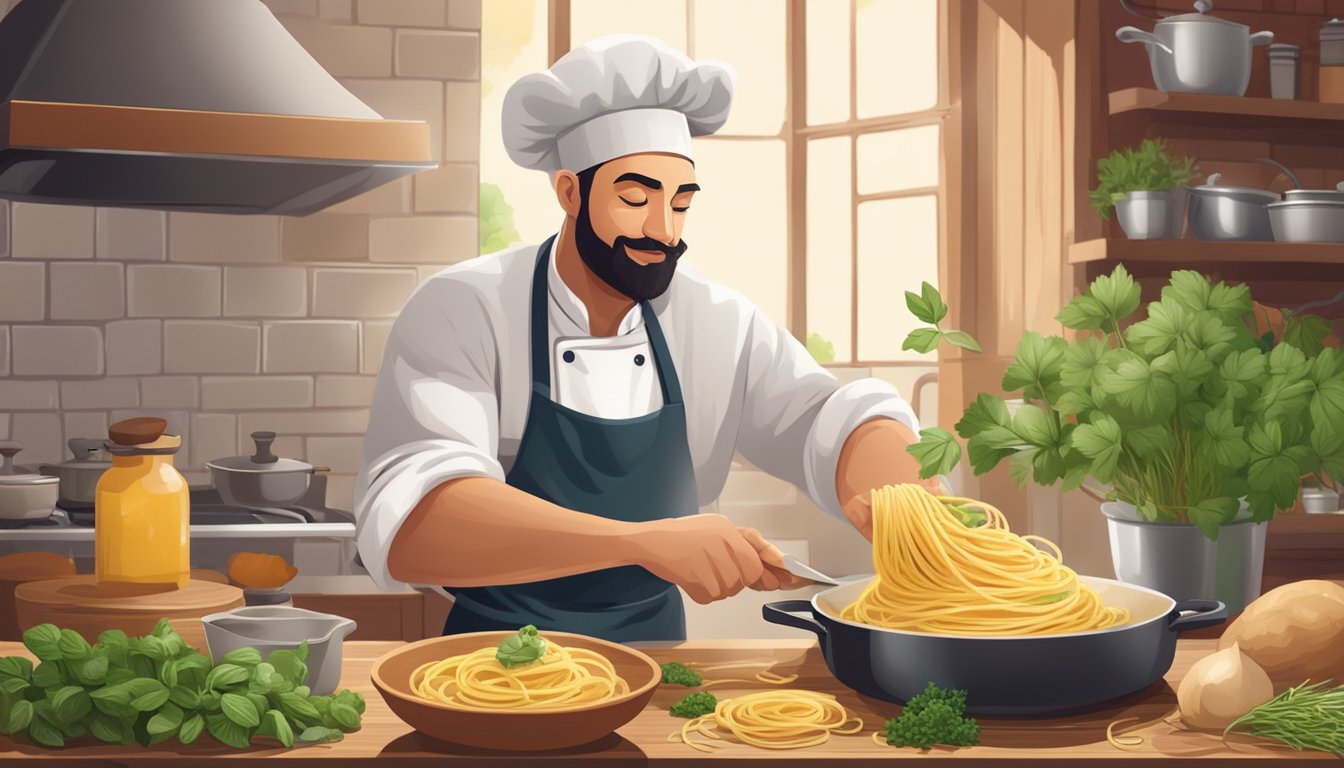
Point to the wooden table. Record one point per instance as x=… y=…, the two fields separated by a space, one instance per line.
x=385 y=740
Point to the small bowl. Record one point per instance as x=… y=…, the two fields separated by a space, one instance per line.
x=274 y=627
x=515 y=730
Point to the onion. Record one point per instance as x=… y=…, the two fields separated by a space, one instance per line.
x=1222 y=687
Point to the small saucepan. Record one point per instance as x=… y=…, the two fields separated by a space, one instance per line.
x=24 y=495
x=79 y=476
x=262 y=479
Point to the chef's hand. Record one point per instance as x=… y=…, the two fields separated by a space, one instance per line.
x=775 y=576
x=704 y=554
x=859 y=510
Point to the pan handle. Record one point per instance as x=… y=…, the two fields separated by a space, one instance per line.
x=1207 y=613
x=785 y=612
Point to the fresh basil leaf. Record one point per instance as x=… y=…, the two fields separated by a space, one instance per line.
x=522 y=648
x=303 y=651
x=119 y=675
x=150 y=701
x=1036 y=427
x=226 y=675
x=298 y=707
x=320 y=735
x=962 y=339
x=20 y=716
x=289 y=665
x=934 y=300
x=987 y=411
x=183 y=697
x=71 y=703
x=48 y=674
x=191 y=728
x=1190 y=289
x=1158 y=333
x=227 y=731
x=274 y=724
x=168 y=673
x=210 y=701
x=238 y=709
x=919 y=307
x=922 y=340
x=13 y=685
x=345 y=715
x=16 y=667
x=166 y=721
x=1083 y=313
x=107 y=728
x=1102 y=442
x=73 y=645
x=1233 y=302
x=150 y=646
x=94 y=670
x=937 y=453
x=1117 y=293
x=43 y=642
x=45 y=732
x=114 y=638
x=243 y=657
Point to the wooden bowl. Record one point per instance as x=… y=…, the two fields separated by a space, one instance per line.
x=518 y=730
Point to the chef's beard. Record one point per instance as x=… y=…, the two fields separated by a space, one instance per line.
x=614 y=266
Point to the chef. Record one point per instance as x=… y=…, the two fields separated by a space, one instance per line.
x=548 y=420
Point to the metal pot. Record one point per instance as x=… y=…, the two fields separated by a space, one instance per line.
x=1308 y=221
x=1029 y=675
x=1197 y=53
x=1219 y=212
x=79 y=476
x=262 y=479
x=24 y=495
x=1153 y=215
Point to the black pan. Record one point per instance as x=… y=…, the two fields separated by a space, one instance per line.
x=1038 y=675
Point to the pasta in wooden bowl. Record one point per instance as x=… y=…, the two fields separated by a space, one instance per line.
x=577 y=691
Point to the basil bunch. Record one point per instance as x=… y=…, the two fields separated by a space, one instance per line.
x=150 y=689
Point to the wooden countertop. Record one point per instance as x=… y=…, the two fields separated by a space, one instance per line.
x=385 y=740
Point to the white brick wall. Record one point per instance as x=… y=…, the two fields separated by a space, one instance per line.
x=229 y=324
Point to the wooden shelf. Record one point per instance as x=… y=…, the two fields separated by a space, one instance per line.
x=1199 y=252
x=1249 y=110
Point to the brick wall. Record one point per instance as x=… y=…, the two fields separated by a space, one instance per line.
x=229 y=324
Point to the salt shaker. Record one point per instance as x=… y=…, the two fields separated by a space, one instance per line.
x=1283 y=80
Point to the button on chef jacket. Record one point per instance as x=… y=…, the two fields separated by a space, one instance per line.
x=452 y=394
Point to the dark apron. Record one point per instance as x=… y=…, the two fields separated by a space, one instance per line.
x=634 y=470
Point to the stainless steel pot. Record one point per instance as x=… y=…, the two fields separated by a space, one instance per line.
x=1030 y=675
x=1153 y=215
x=24 y=495
x=79 y=476
x=1308 y=221
x=262 y=479
x=1197 y=53
x=1219 y=212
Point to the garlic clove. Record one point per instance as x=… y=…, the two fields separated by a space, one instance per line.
x=1222 y=687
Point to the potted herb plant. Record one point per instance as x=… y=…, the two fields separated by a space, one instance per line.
x=1147 y=188
x=1191 y=429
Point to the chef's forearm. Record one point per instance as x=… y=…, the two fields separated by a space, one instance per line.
x=874 y=455
x=477 y=531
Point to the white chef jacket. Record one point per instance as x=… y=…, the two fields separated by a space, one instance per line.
x=452 y=394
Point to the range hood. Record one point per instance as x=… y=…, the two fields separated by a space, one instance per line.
x=186 y=105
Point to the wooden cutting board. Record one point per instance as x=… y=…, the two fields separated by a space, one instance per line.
x=82 y=604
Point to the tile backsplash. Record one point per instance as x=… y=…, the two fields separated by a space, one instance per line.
x=229 y=324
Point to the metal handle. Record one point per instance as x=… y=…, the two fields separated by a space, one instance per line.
x=784 y=613
x=798 y=568
x=1262 y=38
x=1297 y=183
x=7 y=449
x=1136 y=35
x=263 y=441
x=1206 y=613
x=82 y=448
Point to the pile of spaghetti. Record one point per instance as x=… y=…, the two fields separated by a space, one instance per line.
x=937 y=574
x=789 y=719
x=559 y=678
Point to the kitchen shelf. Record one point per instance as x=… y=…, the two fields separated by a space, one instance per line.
x=1206 y=252
x=1250 y=111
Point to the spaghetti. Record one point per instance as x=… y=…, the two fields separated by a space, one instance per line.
x=788 y=719
x=563 y=678
x=935 y=574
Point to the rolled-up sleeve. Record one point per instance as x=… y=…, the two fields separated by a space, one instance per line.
x=796 y=416
x=435 y=416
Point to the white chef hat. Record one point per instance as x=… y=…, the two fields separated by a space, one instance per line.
x=618 y=95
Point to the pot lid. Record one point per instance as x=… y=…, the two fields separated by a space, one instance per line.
x=261 y=461
x=10 y=475
x=1310 y=203
x=84 y=451
x=1211 y=187
x=1200 y=16
x=184 y=106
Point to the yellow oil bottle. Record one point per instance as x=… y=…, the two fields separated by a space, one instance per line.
x=142 y=515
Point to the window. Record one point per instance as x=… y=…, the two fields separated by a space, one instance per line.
x=833 y=146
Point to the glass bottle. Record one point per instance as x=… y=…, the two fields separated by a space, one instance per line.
x=142 y=517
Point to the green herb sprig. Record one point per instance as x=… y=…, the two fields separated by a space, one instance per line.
x=523 y=648
x=928 y=307
x=1303 y=717
x=935 y=716
x=695 y=704
x=1149 y=168
x=680 y=674
x=150 y=689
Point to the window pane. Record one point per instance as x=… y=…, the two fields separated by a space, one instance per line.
x=897 y=59
x=827 y=61
x=896 y=160
x=663 y=19
x=830 y=241
x=513 y=44
x=758 y=57
x=898 y=249
x=737 y=227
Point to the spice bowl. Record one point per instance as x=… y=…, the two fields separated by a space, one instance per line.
x=277 y=627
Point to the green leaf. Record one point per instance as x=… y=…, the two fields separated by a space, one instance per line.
x=1327 y=404
x=1020 y=466
x=71 y=703
x=289 y=665
x=109 y=729
x=962 y=339
x=167 y=721
x=1287 y=360
x=1241 y=370
x=1209 y=515
x=1136 y=385
x=1190 y=289
x=922 y=340
x=1166 y=323
x=1074 y=403
x=16 y=667
x=1084 y=364
x=184 y=697
x=168 y=673
x=820 y=349
x=274 y=724
x=1037 y=427
x=1048 y=465
x=1233 y=302
x=302 y=652
x=150 y=701
x=227 y=731
x=298 y=707
x=1117 y=293
x=937 y=452
x=226 y=675
x=987 y=411
x=72 y=645
x=48 y=674
x=95 y=669
x=239 y=710
x=151 y=647
x=345 y=715
x=1225 y=440
x=13 y=685
x=114 y=638
x=191 y=728
x=1100 y=441
x=523 y=648
x=984 y=456
x=934 y=300
x=45 y=732
x=1307 y=333
x=259 y=702
x=261 y=678
x=1037 y=365
x=1186 y=366
x=1149 y=440
x=1083 y=313
x=320 y=735
x=243 y=657
x=20 y=716
x=43 y=641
